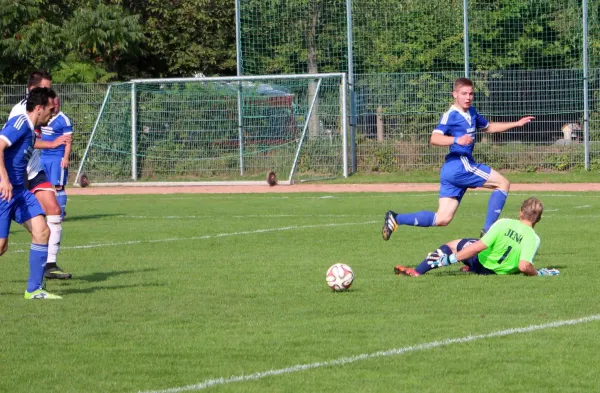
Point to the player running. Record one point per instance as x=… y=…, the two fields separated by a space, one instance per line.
x=457 y=129
x=507 y=248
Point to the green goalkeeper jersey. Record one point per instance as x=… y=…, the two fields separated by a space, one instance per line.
x=508 y=242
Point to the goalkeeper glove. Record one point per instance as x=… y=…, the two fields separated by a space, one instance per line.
x=435 y=259
x=548 y=272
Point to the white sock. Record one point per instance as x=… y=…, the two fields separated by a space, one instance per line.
x=55 y=225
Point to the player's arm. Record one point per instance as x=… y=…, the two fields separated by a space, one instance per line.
x=65 y=160
x=465 y=253
x=505 y=126
x=5 y=186
x=439 y=139
x=471 y=251
x=61 y=140
x=527 y=268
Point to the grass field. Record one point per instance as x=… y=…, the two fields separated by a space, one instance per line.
x=178 y=291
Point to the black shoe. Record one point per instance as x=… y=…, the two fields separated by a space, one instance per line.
x=483 y=232
x=389 y=225
x=55 y=272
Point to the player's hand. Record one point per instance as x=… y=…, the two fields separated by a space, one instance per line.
x=438 y=259
x=64 y=163
x=62 y=140
x=525 y=120
x=6 y=190
x=464 y=140
x=548 y=272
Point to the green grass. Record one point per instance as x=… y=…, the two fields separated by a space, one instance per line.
x=173 y=290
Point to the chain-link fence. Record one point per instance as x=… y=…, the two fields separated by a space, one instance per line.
x=526 y=57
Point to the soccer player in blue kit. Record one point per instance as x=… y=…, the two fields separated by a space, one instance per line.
x=39 y=185
x=16 y=201
x=55 y=162
x=457 y=129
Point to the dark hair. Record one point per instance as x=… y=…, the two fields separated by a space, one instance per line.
x=36 y=77
x=39 y=96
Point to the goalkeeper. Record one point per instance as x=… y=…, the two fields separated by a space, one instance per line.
x=507 y=248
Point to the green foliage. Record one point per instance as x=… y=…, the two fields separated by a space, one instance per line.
x=75 y=69
x=190 y=36
x=53 y=34
x=103 y=32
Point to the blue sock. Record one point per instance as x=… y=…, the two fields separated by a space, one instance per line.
x=424 y=266
x=38 y=253
x=495 y=206
x=418 y=219
x=61 y=198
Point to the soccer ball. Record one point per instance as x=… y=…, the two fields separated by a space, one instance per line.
x=339 y=277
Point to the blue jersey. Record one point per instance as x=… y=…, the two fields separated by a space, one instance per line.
x=457 y=123
x=19 y=134
x=57 y=126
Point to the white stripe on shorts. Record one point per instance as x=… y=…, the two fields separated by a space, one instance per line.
x=473 y=170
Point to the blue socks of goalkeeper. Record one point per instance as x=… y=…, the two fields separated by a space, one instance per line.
x=495 y=206
x=61 y=198
x=38 y=253
x=418 y=219
x=424 y=266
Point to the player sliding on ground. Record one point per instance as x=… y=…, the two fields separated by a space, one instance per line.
x=457 y=130
x=507 y=248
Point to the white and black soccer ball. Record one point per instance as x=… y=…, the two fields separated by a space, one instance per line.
x=339 y=277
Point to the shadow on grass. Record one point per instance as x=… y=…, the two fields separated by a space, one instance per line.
x=103 y=276
x=94 y=277
x=70 y=291
x=70 y=218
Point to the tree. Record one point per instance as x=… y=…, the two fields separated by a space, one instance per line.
x=44 y=33
x=186 y=37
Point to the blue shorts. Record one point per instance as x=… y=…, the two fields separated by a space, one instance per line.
x=22 y=207
x=58 y=176
x=460 y=173
x=473 y=263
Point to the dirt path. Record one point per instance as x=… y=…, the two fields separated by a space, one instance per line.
x=396 y=187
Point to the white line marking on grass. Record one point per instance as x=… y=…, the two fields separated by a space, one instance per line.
x=392 y=352
x=178 y=239
x=582 y=207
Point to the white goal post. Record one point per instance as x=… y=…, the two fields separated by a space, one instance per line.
x=219 y=131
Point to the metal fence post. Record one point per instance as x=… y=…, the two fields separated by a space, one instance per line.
x=466 y=35
x=586 y=97
x=133 y=133
x=353 y=116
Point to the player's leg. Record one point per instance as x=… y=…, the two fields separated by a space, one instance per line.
x=61 y=198
x=6 y=216
x=451 y=192
x=58 y=178
x=447 y=207
x=424 y=266
x=46 y=196
x=30 y=214
x=501 y=186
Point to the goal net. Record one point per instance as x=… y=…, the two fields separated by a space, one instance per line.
x=220 y=130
